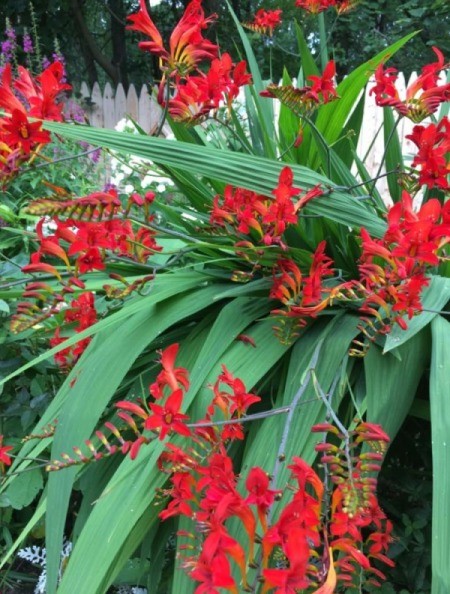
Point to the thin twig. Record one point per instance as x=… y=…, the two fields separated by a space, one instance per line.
x=226 y=125
x=339 y=425
x=253 y=417
x=383 y=158
x=165 y=111
x=69 y=157
x=287 y=425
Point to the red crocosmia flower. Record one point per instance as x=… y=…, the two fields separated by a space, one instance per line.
x=381 y=539
x=5 y=460
x=233 y=432
x=40 y=94
x=423 y=96
x=8 y=101
x=90 y=260
x=265 y=21
x=168 y=418
x=133 y=408
x=187 y=45
x=321 y=266
x=304 y=475
x=257 y=485
x=19 y=132
x=347 y=545
x=323 y=88
x=213 y=573
x=433 y=143
x=286 y=581
x=170 y=376
x=315 y=6
x=181 y=493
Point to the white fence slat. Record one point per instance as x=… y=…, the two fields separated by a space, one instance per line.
x=96 y=117
x=120 y=103
x=132 y=103
x=109 y=112
x=145 y=109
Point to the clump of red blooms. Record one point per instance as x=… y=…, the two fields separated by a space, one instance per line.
x=423 y=96
x=433 y=144
x=302 y=535
x=79 y=234
x=316 y=6
x=195 y=94
x=265 y=219
x=22 y=98
x=265 y=21
x=393 y=271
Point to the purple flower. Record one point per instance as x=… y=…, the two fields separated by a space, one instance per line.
x=74 y=112
x=10 y=34
x=27 y=44
x=7 y=48
x=95 y=156
x=45 y=62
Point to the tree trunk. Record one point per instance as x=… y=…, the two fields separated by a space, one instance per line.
x=119 y=49
x=90 y=45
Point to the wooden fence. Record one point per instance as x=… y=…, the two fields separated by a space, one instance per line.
x=105 y=109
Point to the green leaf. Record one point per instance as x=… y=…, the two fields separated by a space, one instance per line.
x=309 y=66
x=4 y=307
x=25 y=488
x=351 y=133
x=264 y=109
x=242 y=170
x=440 y=435
x=434 y=299
x=391 y=382
x=393 y=151
x=110 y=356
x=164 y=286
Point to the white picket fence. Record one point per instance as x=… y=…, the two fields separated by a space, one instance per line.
x=109 y=106
x=106 y=108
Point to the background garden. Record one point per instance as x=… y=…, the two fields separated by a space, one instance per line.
x=275 y=239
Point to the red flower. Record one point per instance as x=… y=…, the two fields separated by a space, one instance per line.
x=170 y=376
x=381 y=540
x=433 y=142
x=168 y=418
x=265 y=21
x=19 y=132
x=323 y=88
x=315 y=6
x=90 y=260
x=213 y=573
x=187 y=45
x=423 y=96
x=287 y=581
x=257 y=485
x=41 y=94
x=5 y=460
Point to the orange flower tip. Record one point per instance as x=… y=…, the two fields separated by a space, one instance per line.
x=324 y=428
x=325 y=447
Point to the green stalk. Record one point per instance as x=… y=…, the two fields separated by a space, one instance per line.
x=323 y=41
